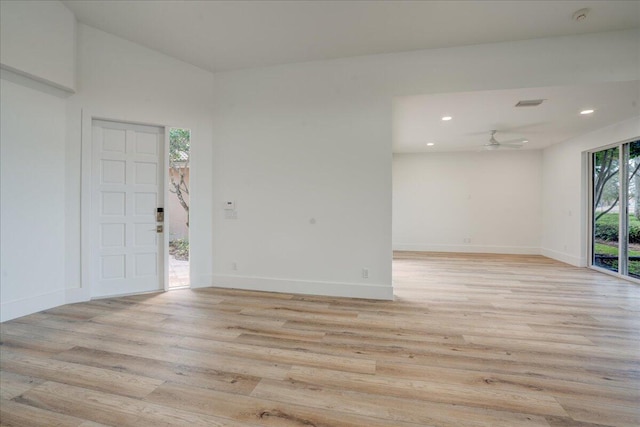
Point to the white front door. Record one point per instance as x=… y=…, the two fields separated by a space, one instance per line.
x=127 y=188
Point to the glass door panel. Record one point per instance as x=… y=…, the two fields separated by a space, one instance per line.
x=633 y=203
x=605 y=208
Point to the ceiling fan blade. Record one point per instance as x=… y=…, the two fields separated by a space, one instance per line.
x=514 y=141
x=507 y=145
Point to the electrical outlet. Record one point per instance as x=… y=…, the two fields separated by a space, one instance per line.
x=365 y=273
x=234 y=266
x=467 y=239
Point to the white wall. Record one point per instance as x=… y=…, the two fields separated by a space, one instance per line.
x=37 y=39
x=41 y=163
x=124 y=81
x=313 y=140
x=492 y=198
x=32 y=193
x=37 y=57
x=291 y=144
x=565 y=205
x=301 y=152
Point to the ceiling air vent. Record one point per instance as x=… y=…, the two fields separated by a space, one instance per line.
x=529 y=103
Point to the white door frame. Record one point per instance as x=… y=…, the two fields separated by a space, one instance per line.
x=86 y=247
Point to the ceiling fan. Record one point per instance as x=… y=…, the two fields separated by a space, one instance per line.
x=494 y=144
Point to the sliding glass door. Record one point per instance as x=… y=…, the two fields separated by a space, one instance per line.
x=633 y=208
x=606 y=218
x=615 y=209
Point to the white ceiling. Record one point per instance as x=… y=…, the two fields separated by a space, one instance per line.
x=228 y=35
x=417 y=120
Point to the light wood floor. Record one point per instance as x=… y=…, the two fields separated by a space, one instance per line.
x=471 y=340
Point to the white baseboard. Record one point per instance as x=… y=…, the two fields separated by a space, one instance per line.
x=483 y=249
x=75 y=295
x=200 y=282
x=333 y=289
x=564 y=257
x=24 y=306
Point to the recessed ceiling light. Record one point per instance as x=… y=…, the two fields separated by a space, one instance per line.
x=430 y=144
x=583 y=112
x=446 y=118
x=524 y=141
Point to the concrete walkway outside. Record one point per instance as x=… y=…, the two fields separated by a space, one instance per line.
x=178 y=273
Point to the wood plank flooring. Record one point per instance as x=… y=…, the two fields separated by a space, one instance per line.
x=470 y=340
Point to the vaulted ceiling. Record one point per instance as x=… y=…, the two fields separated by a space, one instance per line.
x=228 y=35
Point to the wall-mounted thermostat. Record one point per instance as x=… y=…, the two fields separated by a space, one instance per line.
x=229 y=206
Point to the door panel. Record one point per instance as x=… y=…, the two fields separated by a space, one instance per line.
x=127 y=188
x=605 y=208
x=633 y=211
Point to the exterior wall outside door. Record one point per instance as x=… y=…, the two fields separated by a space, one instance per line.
x=178 y=216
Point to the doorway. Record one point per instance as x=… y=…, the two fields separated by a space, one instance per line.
x=178 y=206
